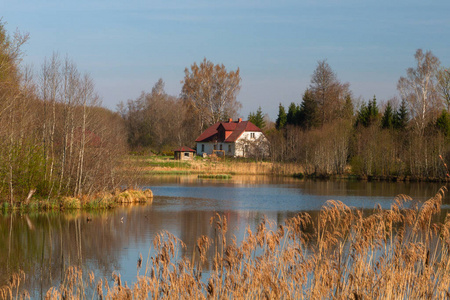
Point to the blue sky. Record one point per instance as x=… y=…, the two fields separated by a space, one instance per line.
x=127 y=46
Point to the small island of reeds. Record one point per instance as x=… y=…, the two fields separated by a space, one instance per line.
x=100 y=200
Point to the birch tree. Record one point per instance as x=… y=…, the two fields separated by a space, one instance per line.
x=50 y=80
x=418 y=89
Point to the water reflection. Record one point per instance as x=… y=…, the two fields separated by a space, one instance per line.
x=44 y=245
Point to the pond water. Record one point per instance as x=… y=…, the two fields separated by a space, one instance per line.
x=43 y=245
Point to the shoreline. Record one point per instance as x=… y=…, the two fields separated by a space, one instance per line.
x=103 y=200
x=166 y=165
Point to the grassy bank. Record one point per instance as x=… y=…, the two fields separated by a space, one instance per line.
x=102 y=200
x=399 y=253
x=208 y=168
x=373 y=178
x=166 y=165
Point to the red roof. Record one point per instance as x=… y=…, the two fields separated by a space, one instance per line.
x=184 y=149
x=215 y=133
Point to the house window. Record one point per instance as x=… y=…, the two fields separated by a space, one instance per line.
x=186 y=154
x=252 y=135
x=215 y=147
x=203 y=147
x=229 y=148
x=220 y=146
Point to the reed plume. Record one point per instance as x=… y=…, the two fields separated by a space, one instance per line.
x=345 y=253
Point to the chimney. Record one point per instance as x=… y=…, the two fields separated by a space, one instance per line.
x=239 y=120
x=230 y=120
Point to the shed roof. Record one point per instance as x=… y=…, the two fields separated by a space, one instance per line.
x=184 y=149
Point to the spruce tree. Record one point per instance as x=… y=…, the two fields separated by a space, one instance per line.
x=401 y=117
x=373 y=109
x=367 y=114
x=292 y=114
x=257 y=118
x=308 y=113
x=387 y=121
x=443 y=123
x=363 y=116
x=282 y=118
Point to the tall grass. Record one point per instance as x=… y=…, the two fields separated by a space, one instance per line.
x=396 y=253
x=228 y=165
x=99 y=200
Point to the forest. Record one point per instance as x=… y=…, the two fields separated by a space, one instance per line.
x=330 y=132
x=57 y=139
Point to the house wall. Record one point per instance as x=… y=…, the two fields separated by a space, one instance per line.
x=246 y=144
x=209 y=147
x=251 y=141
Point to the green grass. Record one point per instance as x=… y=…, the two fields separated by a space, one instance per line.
x=169 y=164
x=159 y=161
x=169 y=172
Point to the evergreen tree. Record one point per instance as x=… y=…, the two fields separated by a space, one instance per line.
x=362 y=118
x=292 y=114
x=368 y=114
x=282 y=118
x=308 y=113
x=373 y=109
x=257 y=118
x=401 y=117
x=443 y=123
x=387 y=121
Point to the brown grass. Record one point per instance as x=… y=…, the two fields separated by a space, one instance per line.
x=107 y=200
x=207 y=166
x=398 y=253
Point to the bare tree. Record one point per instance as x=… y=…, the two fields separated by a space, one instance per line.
x=50 y=95
x=418 y=89
x=443 y=86
x=210 y=92
x=329 y=93
x=156 y=120
x=10 y=100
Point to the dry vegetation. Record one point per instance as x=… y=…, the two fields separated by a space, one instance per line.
x=399 y=253
x=99 y=200
x=232 y=166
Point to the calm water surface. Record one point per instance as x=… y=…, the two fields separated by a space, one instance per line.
x=44 y=245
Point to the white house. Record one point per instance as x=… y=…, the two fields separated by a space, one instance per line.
x=233 y=138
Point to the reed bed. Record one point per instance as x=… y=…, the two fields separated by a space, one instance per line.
x=233 y=166
x=396 y=253
x=100 y=200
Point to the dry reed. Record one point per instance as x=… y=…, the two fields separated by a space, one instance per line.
x=396 y=253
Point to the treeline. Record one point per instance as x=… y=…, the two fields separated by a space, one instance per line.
x=329 y=133
x=55 y=138
x=159 y=122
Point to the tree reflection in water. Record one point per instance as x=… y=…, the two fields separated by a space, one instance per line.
x=44 y=245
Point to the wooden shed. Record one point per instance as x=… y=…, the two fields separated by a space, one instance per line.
x=184 y=153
